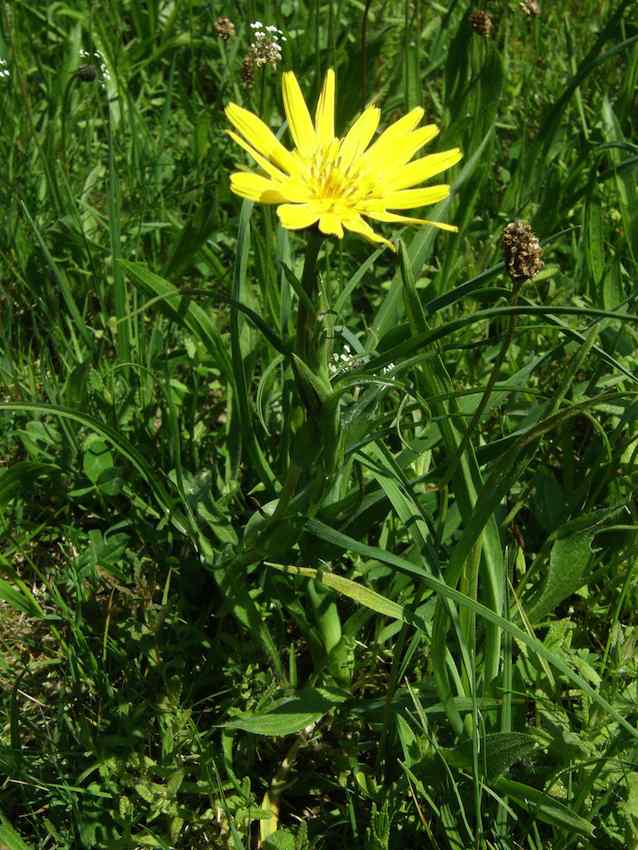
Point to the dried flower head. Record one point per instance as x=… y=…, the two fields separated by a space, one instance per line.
x=247 y=71
x=522 y=251
x=482 y=23
x=266 y=45
x=224 y=28
x=530 y=8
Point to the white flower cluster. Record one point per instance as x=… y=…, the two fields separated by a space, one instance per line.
x=266 y=46
x=347 y=359
x=4 y=69
x=96 y=59
x=343 y=361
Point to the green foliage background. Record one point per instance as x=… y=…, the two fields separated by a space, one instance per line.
x=213 y=635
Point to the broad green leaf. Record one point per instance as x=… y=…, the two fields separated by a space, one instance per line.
x=352 y=589
x=630 y=806
x=567 y=565
x=594 y=247
x=98 y=461
x=498 y=751
x=290 y=715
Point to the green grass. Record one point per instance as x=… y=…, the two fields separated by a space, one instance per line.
x=242 y=605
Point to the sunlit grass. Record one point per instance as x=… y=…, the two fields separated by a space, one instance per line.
x=305 y=543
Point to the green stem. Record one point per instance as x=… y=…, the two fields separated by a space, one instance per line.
x=307 y=345
x=262 y=91
x=316 y=442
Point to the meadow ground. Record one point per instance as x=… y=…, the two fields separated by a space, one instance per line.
x=309 y=542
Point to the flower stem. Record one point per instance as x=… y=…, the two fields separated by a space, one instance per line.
x=308 y=342
x=316 y=446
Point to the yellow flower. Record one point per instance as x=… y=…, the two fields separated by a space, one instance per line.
x=337 y=181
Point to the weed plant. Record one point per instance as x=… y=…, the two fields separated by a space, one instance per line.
x=394 y=608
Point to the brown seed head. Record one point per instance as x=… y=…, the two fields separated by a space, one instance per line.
x=522 y=252
x=482 y=23
x=247 y=72
x=224 y=28
x=530 y=8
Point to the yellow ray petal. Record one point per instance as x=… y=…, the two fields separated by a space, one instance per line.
x=357 y=225
x=296 y=191
x=422 y=169
x=299 y=122
x=409 y=198
x=297 y=216
x=325 y=111
x=330 y=224
x=261 y=137
x=400 y=128
x=442 y=225
x=267 y=166
x=359 y=136
x=367 y=205
x=405 y=148
x=387 y=160
x=395 y=218
x=256 y=188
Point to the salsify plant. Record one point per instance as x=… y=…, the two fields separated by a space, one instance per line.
x=325 y=185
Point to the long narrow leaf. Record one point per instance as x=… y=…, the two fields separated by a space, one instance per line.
x=346 y=543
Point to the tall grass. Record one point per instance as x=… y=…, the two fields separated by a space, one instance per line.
x=242 y=605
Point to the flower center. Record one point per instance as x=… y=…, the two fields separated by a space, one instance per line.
x=331 y=178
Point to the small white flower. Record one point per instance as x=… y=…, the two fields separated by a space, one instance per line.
x=266 y=47
x=342 y=362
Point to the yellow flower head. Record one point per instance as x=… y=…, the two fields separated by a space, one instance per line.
x=333 y=181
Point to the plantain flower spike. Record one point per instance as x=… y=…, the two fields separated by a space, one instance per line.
x=522 y=252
